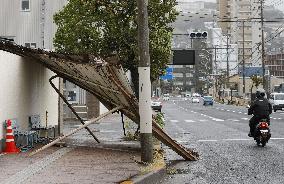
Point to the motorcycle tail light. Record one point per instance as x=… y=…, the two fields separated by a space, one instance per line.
x=263 y=125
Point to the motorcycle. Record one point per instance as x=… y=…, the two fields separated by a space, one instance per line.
x=262 y=133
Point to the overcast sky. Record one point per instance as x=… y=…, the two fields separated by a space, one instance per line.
x=279 y=4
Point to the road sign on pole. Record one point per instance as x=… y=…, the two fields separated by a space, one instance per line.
x=168 y=75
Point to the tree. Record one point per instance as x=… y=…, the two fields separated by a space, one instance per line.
x=109 y=27
x=256 y=81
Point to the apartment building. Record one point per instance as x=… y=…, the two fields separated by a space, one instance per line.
x=275 y=64
x=241 y=21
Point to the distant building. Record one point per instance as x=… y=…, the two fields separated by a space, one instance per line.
x=189 y=6
x=275 y=64
x=220 y=53
x=239 y=20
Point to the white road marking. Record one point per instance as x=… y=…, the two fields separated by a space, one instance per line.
x=233 y=120
x=174 y=121
x=214 y=140
x=215 y=119
x=240 y=112
x=277 y=138
x=203 y=120
x=233 y=111
x=279 y=118
x=244 y=118
x=236 y=139
x=189 y=121
x=207 y=140
x=228 y=110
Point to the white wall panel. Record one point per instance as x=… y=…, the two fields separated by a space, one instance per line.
x=25 y=91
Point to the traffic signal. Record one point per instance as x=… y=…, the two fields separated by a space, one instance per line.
x=198 y=34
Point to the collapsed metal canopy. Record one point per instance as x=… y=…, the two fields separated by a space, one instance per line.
x=106 y=81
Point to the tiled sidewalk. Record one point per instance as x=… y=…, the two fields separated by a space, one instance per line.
x=84 y=161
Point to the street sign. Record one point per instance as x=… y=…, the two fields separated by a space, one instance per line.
x=249 y=71
x=169 y=74
x=183 y=57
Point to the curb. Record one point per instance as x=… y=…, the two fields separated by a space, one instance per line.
x=150 y=178
x=118 y=146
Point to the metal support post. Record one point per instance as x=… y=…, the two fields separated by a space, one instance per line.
x=70 y=106
x=145 y=110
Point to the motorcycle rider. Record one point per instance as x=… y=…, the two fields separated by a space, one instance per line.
x=261 y=109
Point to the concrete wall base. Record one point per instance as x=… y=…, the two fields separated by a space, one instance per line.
x=2 y=144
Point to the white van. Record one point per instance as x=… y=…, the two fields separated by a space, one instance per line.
x=277 y=101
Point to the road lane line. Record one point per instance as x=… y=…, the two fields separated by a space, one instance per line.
x=240 y=112
x=189 y=121
x=233 y=111
x=207 y=140
x=233 y=120
x=174 y=121
x=216 y=119
x=203 y=120
x=245 y=118
x=240 y=139
x=235 y=139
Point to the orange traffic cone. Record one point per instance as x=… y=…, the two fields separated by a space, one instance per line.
x=10 y=142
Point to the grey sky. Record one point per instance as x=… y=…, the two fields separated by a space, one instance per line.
x=279 y=4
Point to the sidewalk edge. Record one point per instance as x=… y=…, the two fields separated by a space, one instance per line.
x=151 y=177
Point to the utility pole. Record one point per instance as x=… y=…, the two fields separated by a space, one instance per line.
x=227 y=57
x=145 y=110
x=262 y=45
x=244 y=81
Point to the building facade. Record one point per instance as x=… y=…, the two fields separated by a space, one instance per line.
x=275 y=65
x=241 y=20
x=26 y=89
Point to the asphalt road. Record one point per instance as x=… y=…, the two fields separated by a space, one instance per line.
x=227 y=155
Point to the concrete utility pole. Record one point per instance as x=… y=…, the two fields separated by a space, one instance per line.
x=262 y=45
x=228 y=73
x=145 y=110
x=244 y=80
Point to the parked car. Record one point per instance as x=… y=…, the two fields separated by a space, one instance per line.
x=277 y=101
x=207 y=100
x=195 y=100
x=166 y=97
x=156 y=104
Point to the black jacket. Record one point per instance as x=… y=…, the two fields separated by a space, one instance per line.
x=260 y=107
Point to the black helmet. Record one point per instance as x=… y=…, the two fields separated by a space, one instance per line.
x=260 y=93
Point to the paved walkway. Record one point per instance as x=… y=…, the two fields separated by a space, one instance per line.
x=84 y=161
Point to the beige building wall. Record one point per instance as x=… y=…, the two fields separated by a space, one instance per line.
x=236 y=12
x=25 y=91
